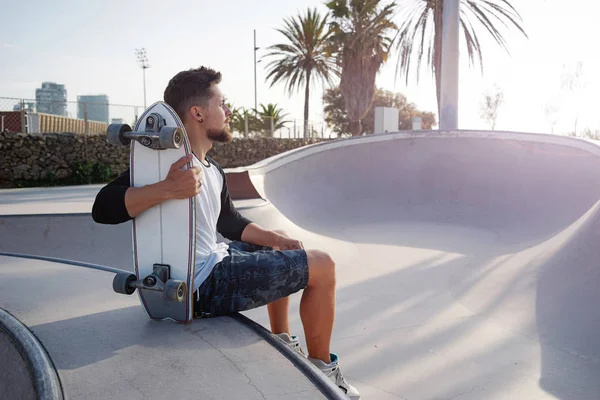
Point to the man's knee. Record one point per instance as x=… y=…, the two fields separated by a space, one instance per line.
x=321 y=268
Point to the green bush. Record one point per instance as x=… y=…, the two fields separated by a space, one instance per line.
x=50 y=176
x=101 y=173
x=82 y=172
x=89 y=172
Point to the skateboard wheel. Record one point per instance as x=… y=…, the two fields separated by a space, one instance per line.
x=115 y=134
x=122 y=283
x=170 y=137
x=175 y=290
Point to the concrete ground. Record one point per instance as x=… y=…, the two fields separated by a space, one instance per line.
x=466 y=262
x=104 y=347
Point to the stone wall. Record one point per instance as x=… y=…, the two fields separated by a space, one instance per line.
x=73 y=159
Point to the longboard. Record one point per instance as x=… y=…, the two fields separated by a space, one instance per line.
x=164 y=239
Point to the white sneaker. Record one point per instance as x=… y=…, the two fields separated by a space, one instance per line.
x=292 y=341
x=334 y=373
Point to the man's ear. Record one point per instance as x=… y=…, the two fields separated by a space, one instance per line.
x=196 y=113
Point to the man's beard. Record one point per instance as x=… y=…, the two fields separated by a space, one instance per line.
x=220 y=135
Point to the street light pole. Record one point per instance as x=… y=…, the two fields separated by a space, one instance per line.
x=143 y=60
x=255 y=92
x=144 y=74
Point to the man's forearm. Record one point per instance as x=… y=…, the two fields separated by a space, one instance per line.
x=139 y=199
x=255 y=234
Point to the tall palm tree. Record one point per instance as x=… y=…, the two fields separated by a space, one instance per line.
x=303 y=57
x=423 y=16
x=362 y=45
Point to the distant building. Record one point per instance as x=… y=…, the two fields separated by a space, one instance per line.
x=51 y=98
x=97 y=107
x=28 y=107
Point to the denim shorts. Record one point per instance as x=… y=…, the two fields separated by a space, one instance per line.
x=251 y=276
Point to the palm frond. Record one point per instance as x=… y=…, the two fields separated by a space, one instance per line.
x=307 y=38
x=419 y=14
x=417 y=21
x=472 y=41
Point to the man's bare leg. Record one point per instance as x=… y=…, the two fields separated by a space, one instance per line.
x=278 y=315
x=279 y=309
x=317 y=310
x=317 y=307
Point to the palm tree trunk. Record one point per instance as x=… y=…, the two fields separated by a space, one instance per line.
x=306 y=98
x=356 y=127
x=438 y=14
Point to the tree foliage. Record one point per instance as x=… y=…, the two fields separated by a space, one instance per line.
x=490 y=106
x=339 y=121
x=259 y=121
x=270 y=119
x=361 y=42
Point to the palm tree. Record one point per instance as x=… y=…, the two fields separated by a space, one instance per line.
x=362 y=44
x=271 y=113
x=411 y=37
x=242 y=118
x=237 y=119
x=304 y=56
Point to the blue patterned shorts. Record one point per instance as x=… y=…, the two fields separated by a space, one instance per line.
x=251 y=276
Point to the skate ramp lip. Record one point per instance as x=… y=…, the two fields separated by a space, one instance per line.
x=465 y=258
x=26 y=370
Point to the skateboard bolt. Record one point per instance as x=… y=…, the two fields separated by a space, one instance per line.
x=151 y=280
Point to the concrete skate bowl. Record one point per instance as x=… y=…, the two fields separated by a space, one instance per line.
x=467 y=262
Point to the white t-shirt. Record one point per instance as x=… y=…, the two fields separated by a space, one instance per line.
x=212 y=203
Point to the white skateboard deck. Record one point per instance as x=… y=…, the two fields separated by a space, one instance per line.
x=163 y=234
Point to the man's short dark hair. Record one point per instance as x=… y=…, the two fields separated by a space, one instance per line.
x=189 y=88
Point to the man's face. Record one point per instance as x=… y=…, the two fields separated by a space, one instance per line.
x=217 y=117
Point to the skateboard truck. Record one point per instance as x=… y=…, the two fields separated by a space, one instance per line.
x=156 y=136
x=159 y=281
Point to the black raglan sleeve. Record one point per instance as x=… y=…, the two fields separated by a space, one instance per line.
x=109 y=205
x=231 y=223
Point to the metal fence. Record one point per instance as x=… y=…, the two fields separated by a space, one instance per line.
x=36 y=117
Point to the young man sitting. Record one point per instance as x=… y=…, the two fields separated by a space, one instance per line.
x=259 y=267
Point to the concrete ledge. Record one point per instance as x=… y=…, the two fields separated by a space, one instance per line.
x=306 y=367
x=42 y=374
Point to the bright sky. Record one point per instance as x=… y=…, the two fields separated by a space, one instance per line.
x=89 y=46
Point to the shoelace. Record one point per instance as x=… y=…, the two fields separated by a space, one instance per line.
x=339 y=379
